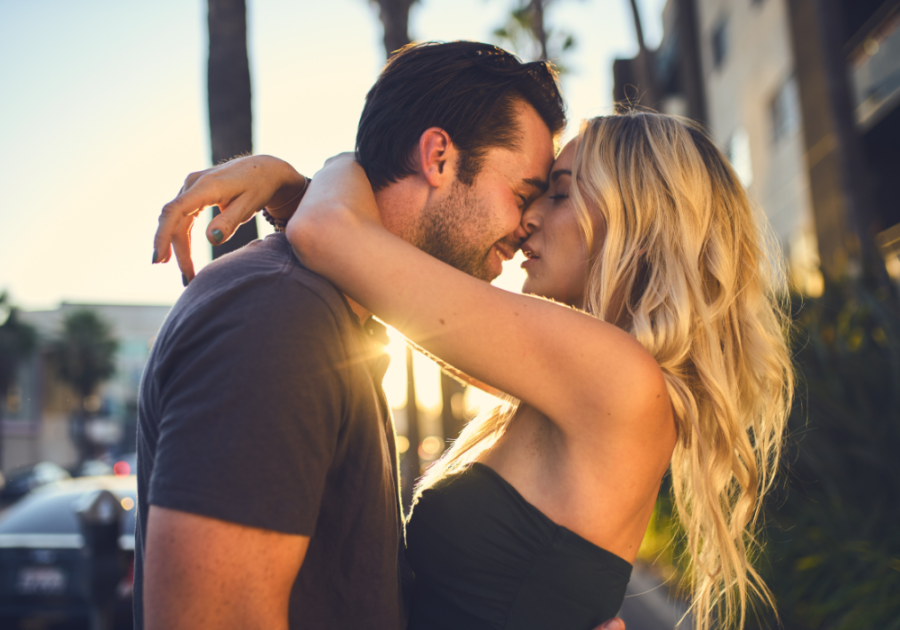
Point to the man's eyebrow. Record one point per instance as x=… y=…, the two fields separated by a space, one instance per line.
x=556 y=174
x=536 y=182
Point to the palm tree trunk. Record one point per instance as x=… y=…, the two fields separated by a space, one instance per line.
x=690 y=66
x=228 y=85
x=644 y=62
x=394 y=15
x=537 y=26
x=638 y=28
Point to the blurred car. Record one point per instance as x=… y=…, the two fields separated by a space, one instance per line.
x=42 y=563
x=125 y=464
x=21 y=481
x=92 y=468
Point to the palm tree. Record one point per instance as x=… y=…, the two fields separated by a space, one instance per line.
x=685 y=77
x=228 y=86
x=646 y=74
x=690 y=67
x=394 y=16
x=526 y=27
x=84 y=357
x=17 y=343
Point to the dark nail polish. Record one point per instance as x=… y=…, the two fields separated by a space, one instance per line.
x=217 y=236
x=184 y=280
x=154 y=257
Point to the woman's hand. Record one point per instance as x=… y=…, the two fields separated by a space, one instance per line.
x=240 y=188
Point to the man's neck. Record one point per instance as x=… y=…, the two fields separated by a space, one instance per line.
x=400 y=204
x=359 y=309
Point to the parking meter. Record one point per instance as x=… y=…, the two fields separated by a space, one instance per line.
x=100 y=520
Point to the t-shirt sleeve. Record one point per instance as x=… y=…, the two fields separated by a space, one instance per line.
x=251 y=408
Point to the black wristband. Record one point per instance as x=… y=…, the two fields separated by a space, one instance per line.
x=278 y=224
x=281 y=224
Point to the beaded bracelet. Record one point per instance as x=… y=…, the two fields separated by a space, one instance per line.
x=278 y=224
x=281 y=224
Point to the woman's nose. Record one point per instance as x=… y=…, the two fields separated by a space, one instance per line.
x=531 y=220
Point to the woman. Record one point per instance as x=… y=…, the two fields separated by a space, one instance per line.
x=672 y=356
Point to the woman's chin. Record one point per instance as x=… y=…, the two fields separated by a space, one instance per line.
x=532 y=288
x=529 y=287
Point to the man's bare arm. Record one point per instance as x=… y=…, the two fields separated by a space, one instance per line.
x=203 y=573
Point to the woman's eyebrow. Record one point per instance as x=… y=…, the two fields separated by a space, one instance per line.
x=556 y=174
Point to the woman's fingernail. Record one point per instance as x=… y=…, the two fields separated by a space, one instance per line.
x=154 y=257
x=217 y=236
x=184 y=280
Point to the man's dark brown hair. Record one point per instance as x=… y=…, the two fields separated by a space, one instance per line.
x=468 y=89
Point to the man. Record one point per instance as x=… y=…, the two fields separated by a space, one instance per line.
x=268 y=485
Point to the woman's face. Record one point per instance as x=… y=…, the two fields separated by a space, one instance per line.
x=558 y=258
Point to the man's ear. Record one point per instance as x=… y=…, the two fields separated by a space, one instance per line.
x=437 y=157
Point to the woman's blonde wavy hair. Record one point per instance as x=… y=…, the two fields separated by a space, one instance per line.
x=685 y=268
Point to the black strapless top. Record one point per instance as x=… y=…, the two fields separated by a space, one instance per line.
x=486 y=559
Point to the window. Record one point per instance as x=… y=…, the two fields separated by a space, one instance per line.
x=784 y=110
x=720 y=43
x=738 y=152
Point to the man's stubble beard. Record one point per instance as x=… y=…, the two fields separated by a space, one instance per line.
x=450 y=231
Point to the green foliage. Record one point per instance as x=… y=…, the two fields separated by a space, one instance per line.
x=526 y=33
x=17 y=342
x=832 y=540
x=85 y=351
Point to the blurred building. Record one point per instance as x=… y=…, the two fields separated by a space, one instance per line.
x=38 y=410
x=802 y=96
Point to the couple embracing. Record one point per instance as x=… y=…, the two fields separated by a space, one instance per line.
x=648 y=339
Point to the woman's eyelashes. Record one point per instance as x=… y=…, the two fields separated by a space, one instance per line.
x=560 y=192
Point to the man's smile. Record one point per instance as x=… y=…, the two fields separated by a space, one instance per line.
x=504 y=252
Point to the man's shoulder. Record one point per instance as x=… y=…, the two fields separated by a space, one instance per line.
x=263 y=276
x=272 y=259
x=259 y=291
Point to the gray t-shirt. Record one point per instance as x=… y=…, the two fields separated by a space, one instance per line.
x=262 y=405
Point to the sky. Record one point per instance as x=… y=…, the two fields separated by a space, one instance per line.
x=103 y=115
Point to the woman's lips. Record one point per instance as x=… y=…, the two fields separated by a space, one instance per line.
x=531 y=258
